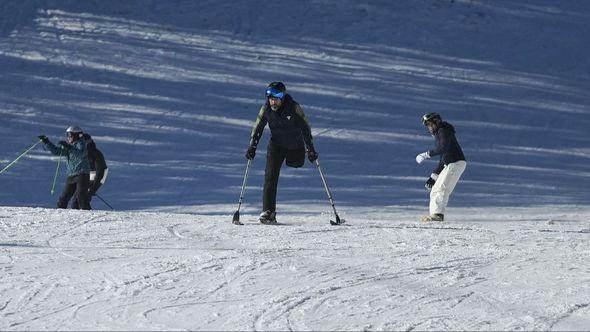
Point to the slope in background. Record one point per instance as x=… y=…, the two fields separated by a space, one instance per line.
x=169 y=91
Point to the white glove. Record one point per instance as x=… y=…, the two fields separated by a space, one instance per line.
x=423 y=156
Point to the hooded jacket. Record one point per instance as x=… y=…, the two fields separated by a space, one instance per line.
x=289 y=127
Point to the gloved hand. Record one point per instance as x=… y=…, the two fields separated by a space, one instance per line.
x=86 y=137
x=431 y=181
x=94 y=188
x=312 y=155
x=43 y=138
x=251 y=152
x=63 y=144
x=423 y=156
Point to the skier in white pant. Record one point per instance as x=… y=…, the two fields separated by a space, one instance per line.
x=452 y=163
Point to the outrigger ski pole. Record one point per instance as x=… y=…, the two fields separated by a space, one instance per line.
x=236 y=220
x=338 y=221
x=22 y=154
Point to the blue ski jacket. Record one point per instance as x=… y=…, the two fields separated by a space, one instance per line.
x=76 y=156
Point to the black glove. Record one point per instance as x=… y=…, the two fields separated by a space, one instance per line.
x=86 y=137
x=43 y=139
x=94 y=188
x=64 y=145
x=429 y=183
x=251 y=152
x=312 y=155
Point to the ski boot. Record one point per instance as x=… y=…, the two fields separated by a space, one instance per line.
x=433 y=217
x=268 y=218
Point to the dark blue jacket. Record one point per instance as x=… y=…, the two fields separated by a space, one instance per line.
x=446 y=146
x=76 y=156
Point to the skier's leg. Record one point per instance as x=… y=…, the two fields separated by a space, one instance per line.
x=82 y=185
x=444 y=186
x=275 y=155
x=456 y=169
x=67 y=192
x=75 y=205
x=295 y=158
x=90 y=194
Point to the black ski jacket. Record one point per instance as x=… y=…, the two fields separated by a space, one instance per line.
x=447 y=146
x=97 y=162
x=289 y=127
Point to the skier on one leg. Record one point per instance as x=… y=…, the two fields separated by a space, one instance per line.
x=444 y=178
x=290 y=134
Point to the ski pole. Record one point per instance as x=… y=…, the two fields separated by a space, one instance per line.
x=338 y=221
x=22 y=154
x=236 y=220
x=109 y=205
x=56 y=172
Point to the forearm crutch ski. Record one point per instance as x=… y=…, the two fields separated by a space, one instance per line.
x=338 y=221
x=236 y=220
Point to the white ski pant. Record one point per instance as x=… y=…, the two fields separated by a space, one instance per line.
x=444 y=186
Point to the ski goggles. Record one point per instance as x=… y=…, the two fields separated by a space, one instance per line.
x=272 y=92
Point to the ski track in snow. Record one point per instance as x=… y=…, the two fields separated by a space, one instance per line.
x=145 y=271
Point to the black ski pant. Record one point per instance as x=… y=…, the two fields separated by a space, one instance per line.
x=77 y=186
x=76 y=205
x=275 y=155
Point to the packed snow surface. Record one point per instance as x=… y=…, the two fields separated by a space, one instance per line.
x=518 y=269
x=169 y=90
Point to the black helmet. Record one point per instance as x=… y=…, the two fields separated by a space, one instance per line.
x=431 y=117
x=276 y=90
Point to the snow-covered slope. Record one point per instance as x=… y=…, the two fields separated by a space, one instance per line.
x=170 y=89
x=77 y=270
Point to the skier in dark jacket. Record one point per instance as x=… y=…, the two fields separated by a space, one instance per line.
x=290 y=135
x=451 y=166
x=78 y=167
x=98 y=169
